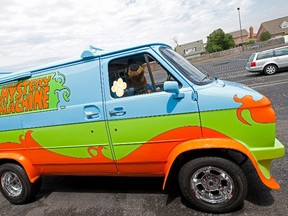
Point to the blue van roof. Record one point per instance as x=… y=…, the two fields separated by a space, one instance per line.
x=96 y=52
x=90 y=53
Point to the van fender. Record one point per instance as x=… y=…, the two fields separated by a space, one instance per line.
x=30 y=170
x=216 y=143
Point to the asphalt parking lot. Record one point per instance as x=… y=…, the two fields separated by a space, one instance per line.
x=143 y=196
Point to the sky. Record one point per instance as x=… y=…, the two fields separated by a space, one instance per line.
x=35 y=32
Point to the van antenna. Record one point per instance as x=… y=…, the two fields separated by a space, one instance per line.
x=94 y=49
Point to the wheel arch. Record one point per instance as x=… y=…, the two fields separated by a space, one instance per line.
x=269 y=63
x=22 y=161
x=212 y=147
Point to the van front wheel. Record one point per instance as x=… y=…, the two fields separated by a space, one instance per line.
x=213 y=184
x=270 y=69
x=15 y=185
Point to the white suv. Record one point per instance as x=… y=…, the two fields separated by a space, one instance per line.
x=268 y=61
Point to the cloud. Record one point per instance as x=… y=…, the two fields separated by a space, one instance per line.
x=33 y=30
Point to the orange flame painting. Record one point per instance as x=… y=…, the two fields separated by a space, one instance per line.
x=260 y=110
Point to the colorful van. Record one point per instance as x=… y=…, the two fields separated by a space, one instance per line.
x=141 y=111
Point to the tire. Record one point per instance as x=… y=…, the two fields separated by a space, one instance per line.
x=213 y=184
x=270 y=69
x=15 y=185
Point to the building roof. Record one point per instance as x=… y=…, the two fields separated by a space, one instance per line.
x=276 y=26
x=237 y=34
x=190 y=44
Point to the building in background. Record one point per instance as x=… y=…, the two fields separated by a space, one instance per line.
x=236 y=35
x=190 y=50
x=246 y=36
x=277 y=27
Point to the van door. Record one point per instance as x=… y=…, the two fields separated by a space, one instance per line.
x=64 y=121
x=146 y=124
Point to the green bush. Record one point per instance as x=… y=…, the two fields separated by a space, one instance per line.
x=264 y=36
x=251 y=42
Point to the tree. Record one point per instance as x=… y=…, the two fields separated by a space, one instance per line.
x=264 y=36
x=218 y=41
x=175 y=39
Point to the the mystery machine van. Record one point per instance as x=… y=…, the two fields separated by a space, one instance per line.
x=142 y=111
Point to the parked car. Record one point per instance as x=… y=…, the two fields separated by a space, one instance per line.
x=268 y=61
x=140 y=111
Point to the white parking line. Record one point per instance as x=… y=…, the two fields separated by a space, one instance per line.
x=261 y=85
x=279 y=77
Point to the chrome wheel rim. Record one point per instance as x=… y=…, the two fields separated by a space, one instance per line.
x=270 y=70
x=11 y=184
x=212 y=185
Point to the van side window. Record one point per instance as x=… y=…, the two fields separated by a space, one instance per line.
x=264 y=55
x=136 y=75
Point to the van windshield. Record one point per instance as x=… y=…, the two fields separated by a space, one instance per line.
x=184 y=66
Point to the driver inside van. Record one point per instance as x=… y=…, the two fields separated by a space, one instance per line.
x=137 y=80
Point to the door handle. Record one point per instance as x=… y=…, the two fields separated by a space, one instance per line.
x=91 y=114
x=117 y=112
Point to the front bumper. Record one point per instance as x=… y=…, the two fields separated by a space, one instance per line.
x=263 y=158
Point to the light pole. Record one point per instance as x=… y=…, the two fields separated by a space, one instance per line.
x=240 y=28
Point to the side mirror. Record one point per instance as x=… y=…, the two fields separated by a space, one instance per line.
x=172 y=87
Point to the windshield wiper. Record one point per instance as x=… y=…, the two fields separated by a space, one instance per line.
x=205 y=77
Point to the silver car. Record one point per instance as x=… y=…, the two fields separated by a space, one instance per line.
x=268 y=61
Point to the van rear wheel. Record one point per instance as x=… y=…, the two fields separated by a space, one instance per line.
x=15 y=185
x=213 y=184
x=270 y=69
